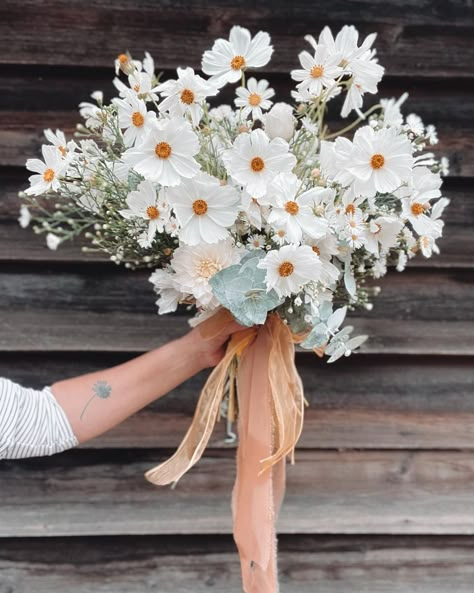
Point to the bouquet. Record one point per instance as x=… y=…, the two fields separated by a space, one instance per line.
x=259 y=210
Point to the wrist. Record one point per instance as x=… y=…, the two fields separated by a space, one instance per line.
x=193 y=353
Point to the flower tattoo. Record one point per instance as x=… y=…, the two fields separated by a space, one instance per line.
x=101 y=390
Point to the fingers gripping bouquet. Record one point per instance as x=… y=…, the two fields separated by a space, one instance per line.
x=260 y=210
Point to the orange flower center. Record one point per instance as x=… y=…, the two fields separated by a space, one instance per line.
x=62 y=150
x=257 y=164
x=237 y=63
x=377 y=161
x=163 y=150
x=292 y=207
x=316 y=250
x=136 y=87
x=286 y=269
x=350 y=209
x=122 y=58
x=317 y=71
x=49 y=175
x=137 y=119
x=152 y=212
x=200 y=207
x=417 y=208
x=255 y=99
x=187 y=96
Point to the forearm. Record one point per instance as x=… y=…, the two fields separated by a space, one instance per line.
x=96 y=402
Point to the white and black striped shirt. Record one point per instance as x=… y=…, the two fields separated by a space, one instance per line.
x=32 y=423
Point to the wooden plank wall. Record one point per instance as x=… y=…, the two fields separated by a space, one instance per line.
x=382 y=496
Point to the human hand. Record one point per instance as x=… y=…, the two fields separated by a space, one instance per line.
x=208 y=339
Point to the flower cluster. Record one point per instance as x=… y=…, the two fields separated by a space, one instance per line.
x=258 y=207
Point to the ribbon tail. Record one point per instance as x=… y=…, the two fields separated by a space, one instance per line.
x=207 y=411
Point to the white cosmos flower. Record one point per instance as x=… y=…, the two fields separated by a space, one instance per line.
x=58 y=139
x=166 y=154
x=47 y=173
x=318 y=72
x=133 y=118
x=205 y=209
x=254 y=211
x=144 y=203
x=186 y=94
x=383 y=231
x=379 y=161
x=194 y=265
x=292 y=211
x=254 y=160
x=392 y=115
x=169 y=296
x=140 y=83
x=227 y=59
x=290 y=267
x=424 y=186
x=255 y=98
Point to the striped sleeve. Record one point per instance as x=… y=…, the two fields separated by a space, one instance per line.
x=32 y=423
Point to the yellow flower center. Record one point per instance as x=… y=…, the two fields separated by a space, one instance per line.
x=187 y=96
x=62 y=150
x=152 y=212
x=163 y=150
x=377 y=161
x=137 y=119
x=292 y=207
x=417 y=209
x=281 y=233
x=255 y=99
x=49 y=175
x=207 y=268
x=350 y=209
x=286 y=269
x=257 y=164
x=316 y=250
x=317 y=71
x=354 y=237
x=237 y=63
x=122 y=58
x=200 y=207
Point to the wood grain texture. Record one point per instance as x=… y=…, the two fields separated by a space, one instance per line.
x=201 y=564
x=100 y=493
x=413 y=36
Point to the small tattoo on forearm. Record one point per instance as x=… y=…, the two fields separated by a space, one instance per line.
x=101 y=390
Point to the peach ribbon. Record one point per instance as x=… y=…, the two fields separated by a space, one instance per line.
x=271 y=409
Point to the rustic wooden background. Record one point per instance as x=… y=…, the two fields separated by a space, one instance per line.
x=381 y=499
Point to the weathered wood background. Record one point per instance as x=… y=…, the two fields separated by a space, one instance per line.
x=381 y=499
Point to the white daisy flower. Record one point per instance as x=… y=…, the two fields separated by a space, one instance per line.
x=204 y=209
x=253 y=210
x=166 y=155
x=226 y=61
x=318 y=72
x=133 y=118
x=92 y=113
x=383 y=231
x=254 y=99
x=325 y=248
x=256 y=241
x=379 y=161
x=392 y=115
x=140 y=83
x=345 y=43
x=428 y=245
x=144 y=203
x=290 y=268
x=194 y=265
x=280 y=237
x=292 y=211
x=58 y=139
x=169 y=296
x=415 y=124
x=47 y=173
x=254 y=160
x=185 y=95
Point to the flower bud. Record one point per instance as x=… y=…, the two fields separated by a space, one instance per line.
x=279 y=122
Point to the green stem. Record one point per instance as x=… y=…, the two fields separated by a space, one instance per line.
x=354 y=123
